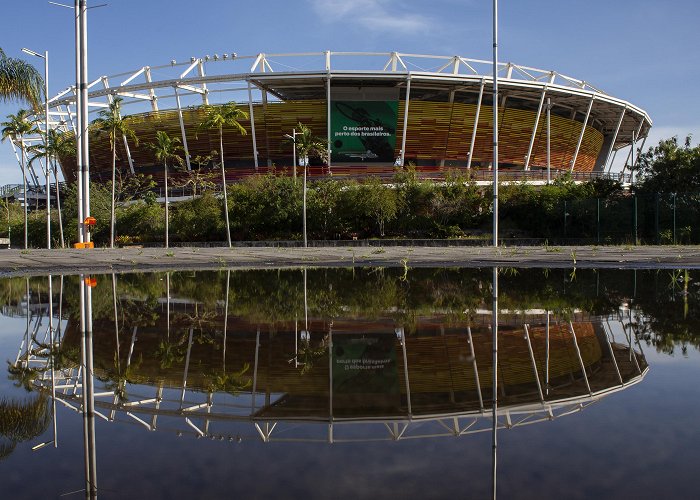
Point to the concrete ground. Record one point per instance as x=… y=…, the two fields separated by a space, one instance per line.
x=102 y=260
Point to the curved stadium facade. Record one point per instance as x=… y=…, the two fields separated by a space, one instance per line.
x=375 y=110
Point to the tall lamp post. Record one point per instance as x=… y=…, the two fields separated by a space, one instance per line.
x=304 y=161
x=45 y=57
x=293 y=137
x=495 y=123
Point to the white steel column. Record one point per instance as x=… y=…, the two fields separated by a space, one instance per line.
x=405 y=118
x=580 y=137
x=151 y=92
x=182 y=130
x=580 y=359
x=476 y=369
x=405 y=374
x=534 y=129
x=110 y=98
x=451 y=100
x=476 y=124
x=549 y=145
x=608 y=163
x=328 y=119
x=534 y=362
x=641 y=149
x=205 y=93
x=630 y=154
x=252 y=126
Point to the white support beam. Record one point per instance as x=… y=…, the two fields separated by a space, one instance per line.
x=405 y=119
x=143 y=97
x=471 y=68
x=583 y=132
x=608 y=163
x=71 y=118
x=476 y=124
x=205 y=95
x=251 y=114
x=328 y=120
x=110 y=98
x=195 y=63
x=133 y=77
x=630 y=154
x=256 y=63
x=182 y=130
x=641 y=149
x=190 y=88
x=151 y=92
x=580 y=359
x=534 y=362
x=534 y=129
x=509 y=70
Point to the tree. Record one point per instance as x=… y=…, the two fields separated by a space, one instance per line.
x=58 y=145
x=218 y=117
x=110 y=121
x=16 y=128
x=19 y=80
x=165 y=149
x=308 y=145
x=670 y=167
x=377 y=201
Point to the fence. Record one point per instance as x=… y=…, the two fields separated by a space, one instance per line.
x=635 y=219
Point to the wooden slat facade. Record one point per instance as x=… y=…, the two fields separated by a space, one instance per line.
x=437 y=132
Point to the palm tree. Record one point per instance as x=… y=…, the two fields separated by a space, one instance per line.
x=19 y=80
x=308 y=145
x=166 y=148
x=16 y=128
x=58 y=145
x=110 y=121
x=218 y=117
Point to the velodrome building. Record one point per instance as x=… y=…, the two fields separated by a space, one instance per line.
x=376 y=110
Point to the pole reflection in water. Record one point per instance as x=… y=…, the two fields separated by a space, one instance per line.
x=494 y=403
x=87 y=368
x=374 y=369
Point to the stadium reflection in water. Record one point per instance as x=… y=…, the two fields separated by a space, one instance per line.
x=209 y=357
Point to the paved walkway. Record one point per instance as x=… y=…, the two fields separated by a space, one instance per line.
x=41 y=262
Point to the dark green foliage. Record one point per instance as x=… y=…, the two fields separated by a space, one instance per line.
x=663 y=208
x=265 y=206
x=670 y=168
x=22 y=421
x=199 y=219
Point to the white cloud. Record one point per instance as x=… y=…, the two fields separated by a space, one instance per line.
x=374 y=14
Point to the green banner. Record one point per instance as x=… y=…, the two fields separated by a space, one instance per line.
x=363 y=131
x=365 y=364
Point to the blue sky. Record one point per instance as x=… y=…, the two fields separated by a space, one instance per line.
x=642 y=51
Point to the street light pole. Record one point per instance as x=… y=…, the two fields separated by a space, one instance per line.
x=305 y=162
x=495 y=123
x=45 y=57
x=293 y=137
x=84 y=122
x=294 y=153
